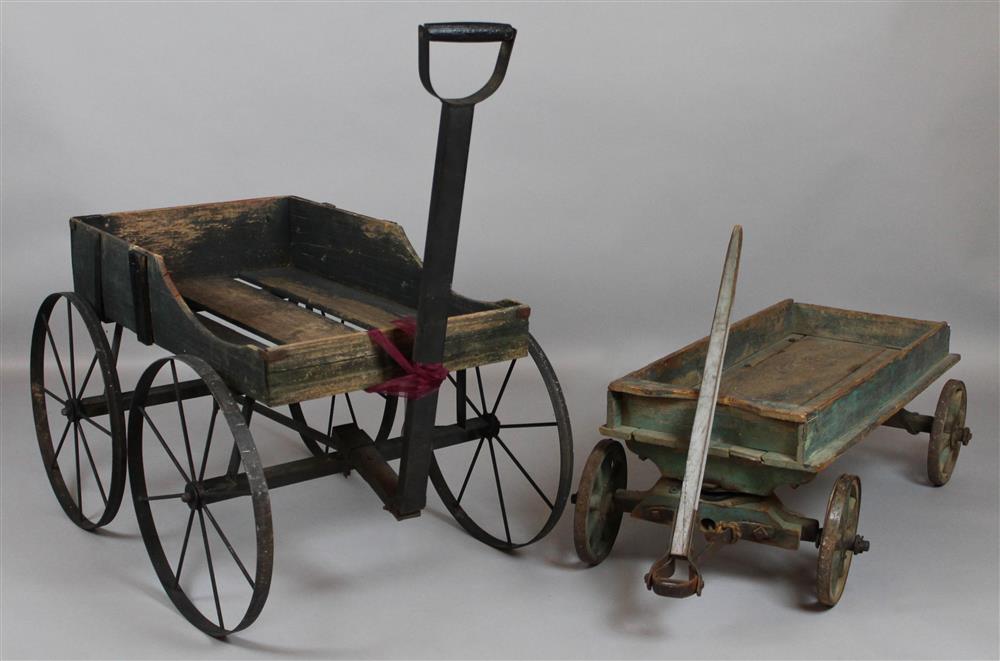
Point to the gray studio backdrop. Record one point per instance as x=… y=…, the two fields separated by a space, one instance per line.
x=856 y=143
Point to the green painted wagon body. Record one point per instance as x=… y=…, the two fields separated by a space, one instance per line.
x=802 y=383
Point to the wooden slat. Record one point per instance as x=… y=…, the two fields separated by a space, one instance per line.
x=803 y=368
x=352 y=305
x=258 y=311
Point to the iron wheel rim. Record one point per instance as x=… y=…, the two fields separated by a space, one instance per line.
x=558 y=504
x=947 y=432
x=596 y=520
x=43 y=339
x=836 y=544
x=225 y=404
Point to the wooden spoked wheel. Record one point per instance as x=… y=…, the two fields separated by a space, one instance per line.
x=596 y=519
x=948 y=432
x=341 y=411
x=508 y=489
x=213 y=556
x=71 y=361
x=839 y=539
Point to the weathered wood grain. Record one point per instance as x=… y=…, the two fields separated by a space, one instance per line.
x=350 y=304
x=208 y=238
x=307 y=370
x=179 y=330
x=258 y=311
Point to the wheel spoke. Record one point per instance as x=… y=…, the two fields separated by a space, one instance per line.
x=180 y=411
x=329 y=421
x=165 y=496
x=86 y=378
x=96 y=425
x=55 y=352
x=225 y=540
x=166 y=447
x=93 y=467
x=62 y=439
x=79 y=486
x=525 y=473
x=530 y=425
x=503 y=386
x=467 y=400
x=72 y=351
x=208 y=441
x=184 y=548
x=54 y=396
x=211 y=568
x=479 y=381
x=350 y=407
x=503 y=507
x=468 y=473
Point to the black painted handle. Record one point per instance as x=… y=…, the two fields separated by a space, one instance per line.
x=468 y=32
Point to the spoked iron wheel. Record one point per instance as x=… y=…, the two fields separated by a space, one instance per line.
x=948 y=432
x=340 y=410
x=213 y=554
x=71 y=361
x=504 y=474
x=596 y=519
x=839 y=540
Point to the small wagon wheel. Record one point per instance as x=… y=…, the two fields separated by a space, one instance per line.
x=201 y=499
x=596 y=520
x=948 y=432
x=839 y=540
x=86 y=463
x=341 y=410
x=521 y=508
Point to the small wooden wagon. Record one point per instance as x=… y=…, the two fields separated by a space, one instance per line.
x=800 y=385
x=266 y=303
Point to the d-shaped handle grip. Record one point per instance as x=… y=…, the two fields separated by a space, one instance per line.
x=466 y=33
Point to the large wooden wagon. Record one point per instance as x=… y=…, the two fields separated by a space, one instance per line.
x=271 y=302
x=800 y=384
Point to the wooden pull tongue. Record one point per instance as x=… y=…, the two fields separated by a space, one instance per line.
x=701 y=432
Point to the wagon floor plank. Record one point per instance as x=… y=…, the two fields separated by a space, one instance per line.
x=258 y=311
x=797 y=369
x=352 y=305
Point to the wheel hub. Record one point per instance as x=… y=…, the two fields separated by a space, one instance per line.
x=73 y=410
x=192 y=496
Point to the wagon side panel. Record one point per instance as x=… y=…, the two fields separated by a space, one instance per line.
x=862 y=406
x=307 y=370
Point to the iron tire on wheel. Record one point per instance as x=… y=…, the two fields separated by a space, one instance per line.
x=249 y=461
x=596 y=519
x=838 y=539
x=113 y=427
x=948 y=432
x=565 y=453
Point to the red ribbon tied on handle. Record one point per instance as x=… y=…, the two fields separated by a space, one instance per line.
x=420 y=379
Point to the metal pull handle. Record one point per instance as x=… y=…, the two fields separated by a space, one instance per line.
x=466 y=33
x=661 y=580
